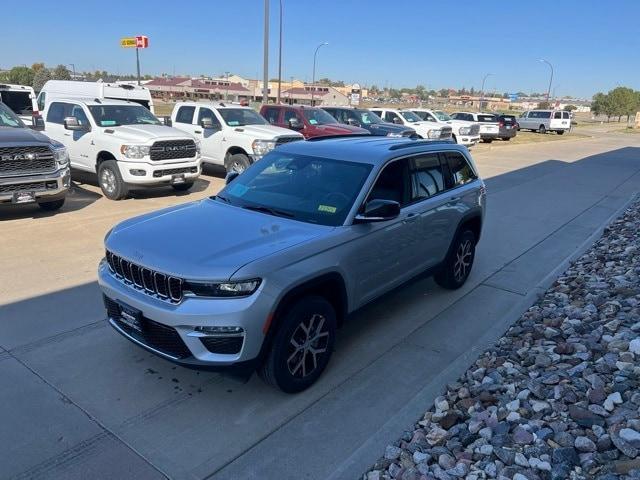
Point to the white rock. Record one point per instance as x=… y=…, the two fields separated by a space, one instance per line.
x=513 y=405
x=521 y=460
x=538 y=406
x=441 y=404
x=519 y=476
x=634 y=346
x=513 y=417
x=375 y=475
x=486 y=449
x=630 y=436
x=539 y=464
x=612 y=400
x=419 y=457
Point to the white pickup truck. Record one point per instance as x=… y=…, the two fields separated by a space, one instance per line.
x=426 y=130
x=230 y=135
x=488 y=122
x=124 y=143
x=463 y=132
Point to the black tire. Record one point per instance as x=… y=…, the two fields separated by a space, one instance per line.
x=284 y=356
x=542 y=129
x=182 y=187
x=110 y=181
x=560 y=132
x=464 y=246
x=506 y=139
x=51 y=206
x=237 y=163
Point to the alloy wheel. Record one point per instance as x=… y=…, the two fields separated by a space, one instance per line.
x=462 y=264
x=307 y=344
x=108 y=180
x=237 y=167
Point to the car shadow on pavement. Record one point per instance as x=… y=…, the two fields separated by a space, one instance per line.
x=214 y=170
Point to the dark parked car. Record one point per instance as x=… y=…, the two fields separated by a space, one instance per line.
x=359 y=117
x=508 y=126
x=309 y=121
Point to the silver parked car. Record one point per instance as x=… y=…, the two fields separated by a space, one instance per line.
x=260 y=276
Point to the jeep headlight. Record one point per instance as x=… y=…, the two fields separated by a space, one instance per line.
x=394 y=134
x=60 y=154
x=465 y=130
x=433 y=134
x=135 y=151
x=262 y=147
x=223 y=289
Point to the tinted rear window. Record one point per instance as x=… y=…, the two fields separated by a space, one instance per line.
x=19 y=102
x=508 y=119
x=535 y=114
x=487 y=118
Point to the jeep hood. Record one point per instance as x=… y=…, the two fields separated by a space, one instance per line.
x=145 y=133
x=266 y=132
x=206 y=240
x=336 y=129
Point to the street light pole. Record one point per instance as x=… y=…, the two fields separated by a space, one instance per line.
x=226 y=93
x=74 y=69
x=550 y=78
x=313 y=78
x=265 y=65
x=280 y=57
x=482 y=89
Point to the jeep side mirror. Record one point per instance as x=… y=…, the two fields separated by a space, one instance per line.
x=71 y=123
x=231 y=176
x=378 y=210
x=397 y=121
x=206 y=123
x=37 y=123
x=295 y=124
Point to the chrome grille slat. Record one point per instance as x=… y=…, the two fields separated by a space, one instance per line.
x=154 y=283
x=171 y=149
x=10 y=165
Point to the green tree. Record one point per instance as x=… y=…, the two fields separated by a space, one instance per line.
x=36 y=67
x=623 y=102
x=570 y=108
x=543 y=106
x=20 y=75
x=41 y=76
x=61 y=73
x=444 y=93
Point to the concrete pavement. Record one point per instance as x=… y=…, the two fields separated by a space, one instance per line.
x=79 y=396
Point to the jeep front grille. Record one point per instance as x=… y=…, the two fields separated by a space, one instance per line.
x=26 y=160
x=171 y=149
x=149 y=281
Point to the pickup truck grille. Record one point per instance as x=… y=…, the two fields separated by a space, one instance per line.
x=149 y=281
x=283 y=140
x=475 y=129
x=29 y=187
x=171 y=149
x=26 y=160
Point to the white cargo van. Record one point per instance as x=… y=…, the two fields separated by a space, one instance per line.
x=543 y=121
x=58 y=89
x=21 y=99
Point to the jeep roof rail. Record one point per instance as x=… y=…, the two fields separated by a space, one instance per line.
x=413 y=143
x=340 y=135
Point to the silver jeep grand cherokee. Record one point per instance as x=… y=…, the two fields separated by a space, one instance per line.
x=260 y=276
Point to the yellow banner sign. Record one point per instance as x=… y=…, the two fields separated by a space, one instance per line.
x=129 y=42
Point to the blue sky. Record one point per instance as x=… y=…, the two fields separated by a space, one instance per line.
x=593 y=45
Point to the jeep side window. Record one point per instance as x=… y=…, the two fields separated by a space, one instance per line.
x=185 y=115
x=393 y=183
x=459 y=168
x=207 y=113
x=427 y=176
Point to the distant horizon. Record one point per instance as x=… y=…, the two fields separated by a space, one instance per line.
x=367 y=43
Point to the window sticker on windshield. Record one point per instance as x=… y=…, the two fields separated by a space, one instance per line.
x=233 y=123
x=327 y=208
x=238 y=189
x=107 y=123
x=313 y=121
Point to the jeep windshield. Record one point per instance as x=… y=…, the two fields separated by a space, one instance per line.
x=317 y=116
x=410 y=116
x=8 y=118
x=116 y=115
x=238 y=117
x=309 y=189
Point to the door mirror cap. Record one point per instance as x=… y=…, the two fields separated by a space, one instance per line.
x=71 y=123
x=206 y=123
x=37 y=123
x=378 y=210
x=295 y=124
x=231 y=176
x=397 y=121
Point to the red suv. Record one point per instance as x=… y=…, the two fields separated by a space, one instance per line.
x=310 y=121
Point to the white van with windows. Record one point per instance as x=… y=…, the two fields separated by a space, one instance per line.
x=56 y=89
x=21 y=99
x=543 y=121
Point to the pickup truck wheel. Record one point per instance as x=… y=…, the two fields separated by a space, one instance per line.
x=111 y=181
x=51 y=206
x=560 y=132
x=302 y=346
x=182 y=187
x=459 y=261
x=542 y=129
x=237 y=163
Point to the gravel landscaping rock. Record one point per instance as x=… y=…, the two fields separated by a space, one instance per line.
x=557 y=397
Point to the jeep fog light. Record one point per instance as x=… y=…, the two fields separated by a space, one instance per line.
x=218 y=331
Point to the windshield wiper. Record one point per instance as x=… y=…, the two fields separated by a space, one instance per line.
x=220 y=197
x=270 y=211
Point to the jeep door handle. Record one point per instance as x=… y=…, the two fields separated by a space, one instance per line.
x=453 y=200
x=412 y=217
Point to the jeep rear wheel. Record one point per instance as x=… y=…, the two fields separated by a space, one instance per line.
x=111 y=181
x=302 y=346
x=457 y=265
x=238 y=162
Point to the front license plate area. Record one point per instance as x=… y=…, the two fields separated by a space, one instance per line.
x=132 y=317
x=177 y=179
x=24 y=197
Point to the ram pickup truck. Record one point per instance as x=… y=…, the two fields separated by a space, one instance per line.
x=230 y=135
x=124 y=143
x=426 y=130
x=33 y=168
x=463 y=132
x=488 y=123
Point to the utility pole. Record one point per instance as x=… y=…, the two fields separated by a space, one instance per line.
x=550 y=78
x=265 y=66
x=138 y=63
x=73 y=66
x=280 y=57
x=226 y=93
x=482 y=89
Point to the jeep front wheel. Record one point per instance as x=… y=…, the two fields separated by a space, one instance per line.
x=302 y=345
x=111 y=181
x=457 y=265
